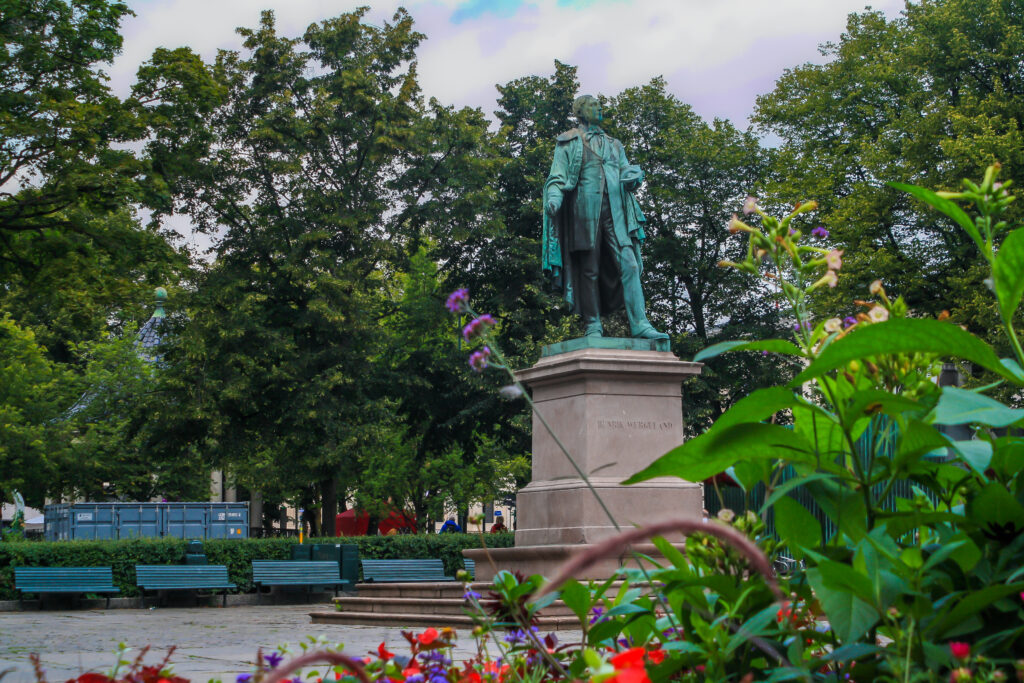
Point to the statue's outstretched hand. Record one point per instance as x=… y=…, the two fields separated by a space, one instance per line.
x=551 y=207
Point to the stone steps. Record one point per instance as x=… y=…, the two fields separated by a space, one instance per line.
x=422 y=604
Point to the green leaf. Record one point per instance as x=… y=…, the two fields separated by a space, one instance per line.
x=906 y=335
x=960 y=406
x=752 y=627
x=576 y=597
x=977 y=454
x=1008 y=273
x=795 y=526
x=873 y=401
x=758 y=405
x=848 y=615
x=713 y=451
x=995 y=509
x=947 y=207
x=958 y=611
x=772 y=345
x=918 y=439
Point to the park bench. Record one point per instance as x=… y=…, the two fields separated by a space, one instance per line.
x=403 y=570
x=290 y=573
x=75 y=580
x=163 y=577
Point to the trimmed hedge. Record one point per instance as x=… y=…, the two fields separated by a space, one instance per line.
x=237 y=554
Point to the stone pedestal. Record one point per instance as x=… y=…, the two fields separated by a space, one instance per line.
x=615 y=410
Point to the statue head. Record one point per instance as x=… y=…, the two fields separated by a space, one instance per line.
x=587 y=109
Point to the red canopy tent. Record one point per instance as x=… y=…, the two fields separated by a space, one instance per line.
x=350 y=523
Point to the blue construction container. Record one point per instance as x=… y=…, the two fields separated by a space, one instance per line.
x=78 y=521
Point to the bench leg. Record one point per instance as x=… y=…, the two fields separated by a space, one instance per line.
x=224 y=600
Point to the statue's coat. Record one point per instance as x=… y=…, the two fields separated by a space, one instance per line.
x=574 y=225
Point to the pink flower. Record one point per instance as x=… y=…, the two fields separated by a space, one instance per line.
x=834 y=259
x=478 y=326
x=960 y=650
x=478 y=360
x=749 y=205
x=457 y=300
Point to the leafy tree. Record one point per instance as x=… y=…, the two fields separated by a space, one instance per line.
x=324 y=171
x=442 y=447
x=32 y=396
x=927 y=97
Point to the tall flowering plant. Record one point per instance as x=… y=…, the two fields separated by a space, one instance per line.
x=895 y=587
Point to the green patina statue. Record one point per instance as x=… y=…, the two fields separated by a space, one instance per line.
x=593 y=225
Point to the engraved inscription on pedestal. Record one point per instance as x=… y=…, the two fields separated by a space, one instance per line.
x=616 y=411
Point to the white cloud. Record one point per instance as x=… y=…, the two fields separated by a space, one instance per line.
x=715 y=54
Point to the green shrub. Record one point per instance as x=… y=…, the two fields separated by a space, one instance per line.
x=236 y=554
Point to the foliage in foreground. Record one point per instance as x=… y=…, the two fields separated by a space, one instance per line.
x=886 y=591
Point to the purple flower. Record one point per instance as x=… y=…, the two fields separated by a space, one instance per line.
x=471 y=595
x=478 y=360
x=764 y=353
x=243 y=678
x=849 y=321
x=415 y=678
x=515 y=637
x=478 y=326
x=273 y=659
x=436 y=656
x=597 y=612
x=820 y=231
x=457 y=300
x=797 y=326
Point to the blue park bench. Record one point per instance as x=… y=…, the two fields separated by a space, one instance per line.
x=162 y=578
x=74 y=580
x=290 y=573
x=380 y=571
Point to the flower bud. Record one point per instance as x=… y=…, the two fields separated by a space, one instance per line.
x=833 y=325
x=876 y=287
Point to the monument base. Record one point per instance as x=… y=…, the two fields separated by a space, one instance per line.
x=616 y=407
x=546 y=559
x=566 y=510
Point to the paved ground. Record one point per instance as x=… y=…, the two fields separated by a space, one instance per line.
x=213 y=643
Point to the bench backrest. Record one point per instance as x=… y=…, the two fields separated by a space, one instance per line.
x=63 y=577
x=183 y=575
x=311 y=571
x=470 y=567
x=404 y=570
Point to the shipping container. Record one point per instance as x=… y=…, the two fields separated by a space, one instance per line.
x=88 y=521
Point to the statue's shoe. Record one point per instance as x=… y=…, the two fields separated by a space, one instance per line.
x=649 y=332
x=593 y=331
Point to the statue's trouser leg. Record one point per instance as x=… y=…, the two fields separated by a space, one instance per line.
x=629 y=273
x=587 y=296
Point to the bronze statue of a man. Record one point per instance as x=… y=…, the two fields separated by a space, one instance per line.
x=593 y=225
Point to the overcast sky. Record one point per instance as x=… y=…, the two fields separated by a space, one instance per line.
x=716 y=55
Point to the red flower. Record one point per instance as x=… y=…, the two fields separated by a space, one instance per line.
x=636 y=674
x=383 y=652
x=91 y=678
x=629 y=659
x=960 y=650
x=656 y=656
x=428 y=636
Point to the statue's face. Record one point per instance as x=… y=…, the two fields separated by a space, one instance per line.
x=591 y=112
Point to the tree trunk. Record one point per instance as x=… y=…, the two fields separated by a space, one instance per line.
x=329 y=508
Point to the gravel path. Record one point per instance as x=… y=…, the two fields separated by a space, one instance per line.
x=213 y=643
